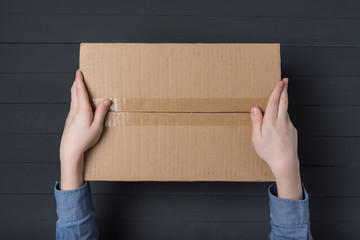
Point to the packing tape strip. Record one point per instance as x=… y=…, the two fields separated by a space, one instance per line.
x=184 y=104
x=114 y=119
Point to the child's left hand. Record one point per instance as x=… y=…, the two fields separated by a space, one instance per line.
x=82 y=130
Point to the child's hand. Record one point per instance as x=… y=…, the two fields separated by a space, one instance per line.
x=275 y=140
x=82 y=130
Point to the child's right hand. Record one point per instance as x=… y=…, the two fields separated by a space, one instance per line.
x=275 y=141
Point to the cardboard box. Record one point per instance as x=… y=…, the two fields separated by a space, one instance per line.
x=181 y=112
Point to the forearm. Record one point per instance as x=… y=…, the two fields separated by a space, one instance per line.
x=290 y=218
x=76 y=215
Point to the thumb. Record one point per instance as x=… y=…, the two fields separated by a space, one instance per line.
x=256 y=117
x=100 y=113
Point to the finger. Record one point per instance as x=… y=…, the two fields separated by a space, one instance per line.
x=273 y=102
x=74 y=101
x=100 y=113
x=256 y=117
x=83 y=97
x=284 y=100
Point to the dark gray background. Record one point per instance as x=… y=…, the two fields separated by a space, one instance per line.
x=39 y=50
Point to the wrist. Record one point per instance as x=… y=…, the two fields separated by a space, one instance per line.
x=284 y=167
x=290 y=186
x=72 y=173
x=71 y=157
x=288 y=179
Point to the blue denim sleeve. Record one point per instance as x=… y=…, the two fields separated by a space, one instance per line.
x=76 y=214
x=290 y=218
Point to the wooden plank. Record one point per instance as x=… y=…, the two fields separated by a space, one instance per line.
x=237 y=230
x=319 y=181
x=34 y=58
x=40 y=230
x=319 y=61
x=308 y=61
x=107 y=230
x=157 y=230
x=33 y=118
x=169 y=28
x=326 y=120
x=276 y=8
x=132 y=230
x=341 y=90
x=55 y=88
x=45 y=88
x=329 y=151
x=24 y=148
x=50 y=118
x=177 y=208
x=44 y=148
x=228 y=230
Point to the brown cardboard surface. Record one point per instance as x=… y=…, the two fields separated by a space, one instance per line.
x=180 y=111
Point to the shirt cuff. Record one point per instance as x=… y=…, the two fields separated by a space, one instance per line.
x=285 y=211
x=73 y=204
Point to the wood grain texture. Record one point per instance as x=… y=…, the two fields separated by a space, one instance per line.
x=40 y=207
x=178 y=230
x=45 y=87
x=259 y=8
x=134 y=28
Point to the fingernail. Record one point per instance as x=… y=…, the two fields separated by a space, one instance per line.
x=254 y=111
x=281 y=83
x=107 y=103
